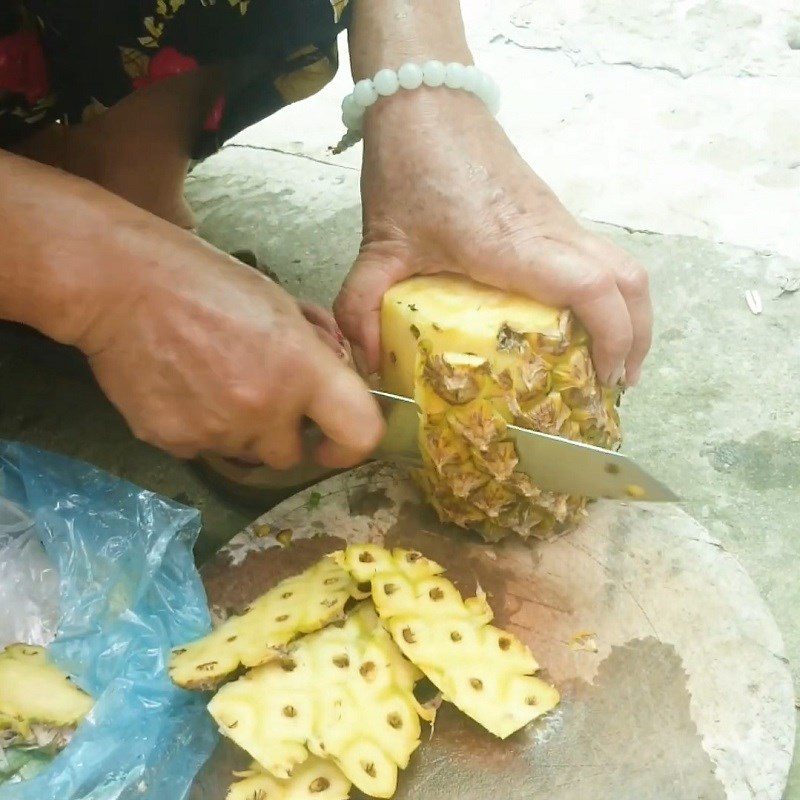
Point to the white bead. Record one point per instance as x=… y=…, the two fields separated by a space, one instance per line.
x=353 y=120
x=472 y=76
x=351 y=107
x=365 y=93
x=454 y=76
x=433 y=73
x=410 y=76
x=386 y=82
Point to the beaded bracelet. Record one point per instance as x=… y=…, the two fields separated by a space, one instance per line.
x=412 y=76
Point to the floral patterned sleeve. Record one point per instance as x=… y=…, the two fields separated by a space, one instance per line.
x=66 y=61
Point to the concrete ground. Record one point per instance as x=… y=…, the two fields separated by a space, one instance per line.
x=672 y=125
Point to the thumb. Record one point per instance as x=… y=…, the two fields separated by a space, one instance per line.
x=358 y=306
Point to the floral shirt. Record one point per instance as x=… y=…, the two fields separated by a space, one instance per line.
x=68 y=60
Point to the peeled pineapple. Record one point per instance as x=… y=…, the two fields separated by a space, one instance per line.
x=344 y=693
x=484 y=671
x=39 y=705
x=315 y=779
x=475 y=359
x=297 y=605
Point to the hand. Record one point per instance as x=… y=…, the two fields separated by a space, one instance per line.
x=204 y=353
x=445 y=191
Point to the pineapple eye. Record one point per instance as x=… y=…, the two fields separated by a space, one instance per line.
x=531 y=701
x=330 y=602
x=289 y=711
x=436 y=593
x=408 y=635
x=287 y=665
x=455 y=636
x=180 y=651
x=282 y=618
x=367 y=671
x=504 y=643
x=389 y=588
x=369 y=768
x=413 y=556
x=287 y=595
x=476 y=684
x=330 y=581
x=364 y=588
x=395 y=721
x=209 y=665
x=366 y=558
x=231 y=639
x=319 y=785
x=343 y=662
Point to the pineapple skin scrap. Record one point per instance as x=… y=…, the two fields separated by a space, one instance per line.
x=315 y=779
x=343 y=693
x=487 y=673
x=301 y=604
x=35 y=692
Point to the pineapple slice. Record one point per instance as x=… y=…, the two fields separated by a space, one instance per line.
x=484 y=671
x=475 y=359
x=315 y=779
x=344 y=693
x=300 y=604
x=38 y=702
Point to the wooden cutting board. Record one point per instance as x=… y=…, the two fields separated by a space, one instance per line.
x=671 y=668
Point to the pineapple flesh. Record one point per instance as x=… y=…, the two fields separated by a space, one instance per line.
x=344 y=693
x=484 y=671
x=39 y=705
x=476 y=359
x=301 y=604
x=314 y=779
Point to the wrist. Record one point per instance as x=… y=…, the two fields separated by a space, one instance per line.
x=388 y=33
x=56 y=269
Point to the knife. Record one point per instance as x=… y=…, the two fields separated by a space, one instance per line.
x=551 y=462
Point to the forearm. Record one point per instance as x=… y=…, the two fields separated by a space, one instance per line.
x=54 y=230
x=387 y=33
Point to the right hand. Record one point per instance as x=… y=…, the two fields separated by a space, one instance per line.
x=202 y=353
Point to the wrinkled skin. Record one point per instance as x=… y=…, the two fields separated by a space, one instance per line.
x=457 y=197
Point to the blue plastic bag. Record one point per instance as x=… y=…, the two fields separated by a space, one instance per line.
x=129 y=592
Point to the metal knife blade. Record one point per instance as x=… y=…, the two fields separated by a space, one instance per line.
x=552 y=463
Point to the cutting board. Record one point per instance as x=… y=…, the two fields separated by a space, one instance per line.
x=671 y=668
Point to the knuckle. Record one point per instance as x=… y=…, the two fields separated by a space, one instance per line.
x=634 y=279
x=596 y=283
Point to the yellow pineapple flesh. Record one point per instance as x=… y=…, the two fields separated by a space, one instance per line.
x=484 y=671
x=343 y=693
x=301 y=604
x=38 y=702
x=475 y=359
x=314 y=779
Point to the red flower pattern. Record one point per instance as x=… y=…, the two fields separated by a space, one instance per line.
x=169 y=62
x=23 y=69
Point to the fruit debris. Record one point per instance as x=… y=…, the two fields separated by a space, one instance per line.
x=300 y=604
x=484 y=671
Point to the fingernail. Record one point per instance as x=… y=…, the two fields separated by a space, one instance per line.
x=632 y=378
x=615 y=378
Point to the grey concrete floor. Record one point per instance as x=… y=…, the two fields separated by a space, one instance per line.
x=716 y=414
x=676 y=119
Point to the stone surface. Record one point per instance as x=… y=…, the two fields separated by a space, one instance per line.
x=646 y=624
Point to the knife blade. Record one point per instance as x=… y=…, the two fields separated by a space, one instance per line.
x=551 y=462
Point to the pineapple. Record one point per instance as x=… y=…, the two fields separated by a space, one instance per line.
x=314 y=779
x=476 y=359
x=39 y=705
x=484 y=671
x=300 y=604
x=344 y=693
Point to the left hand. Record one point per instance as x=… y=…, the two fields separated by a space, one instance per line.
x=444 y=190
